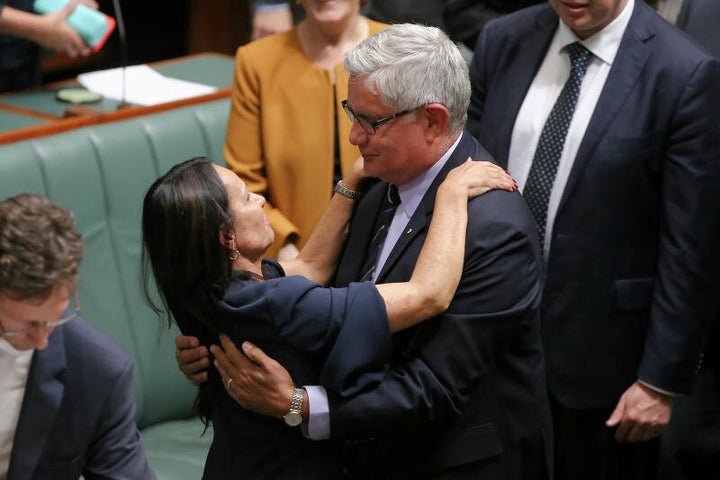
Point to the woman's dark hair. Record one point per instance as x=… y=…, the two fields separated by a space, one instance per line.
x=184 y=213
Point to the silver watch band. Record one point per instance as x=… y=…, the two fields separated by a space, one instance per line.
x=346 y=192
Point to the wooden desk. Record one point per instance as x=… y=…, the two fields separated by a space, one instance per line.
x=38 y=113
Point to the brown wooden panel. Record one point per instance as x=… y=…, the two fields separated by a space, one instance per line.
x=218 y=26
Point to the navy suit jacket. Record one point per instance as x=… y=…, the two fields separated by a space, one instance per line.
x=78 y=413
x=465 y=389
x=632 y=274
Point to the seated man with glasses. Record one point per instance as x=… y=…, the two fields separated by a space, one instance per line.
x=66 y=393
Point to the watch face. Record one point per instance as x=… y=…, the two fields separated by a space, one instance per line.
x=293 y=419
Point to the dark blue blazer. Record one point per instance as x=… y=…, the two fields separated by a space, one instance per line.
x=465 y=391
x=632 y=274
x=78 y=413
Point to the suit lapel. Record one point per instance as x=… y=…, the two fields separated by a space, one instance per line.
x=624 y=75
x=43 y=397
x=418 y=224
x=361 y=231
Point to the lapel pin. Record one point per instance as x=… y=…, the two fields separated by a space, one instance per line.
x=409 y=231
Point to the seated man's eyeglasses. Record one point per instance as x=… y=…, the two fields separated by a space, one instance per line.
x=72 y=312
x=368 y=125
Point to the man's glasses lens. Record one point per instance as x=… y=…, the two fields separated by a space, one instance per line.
x=369 y=126
x=72 y=312
x=364 y=123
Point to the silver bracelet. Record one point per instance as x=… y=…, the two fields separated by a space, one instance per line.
x=346 y=192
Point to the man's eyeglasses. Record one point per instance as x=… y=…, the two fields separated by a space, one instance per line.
x=72 y=312
x=368 y=125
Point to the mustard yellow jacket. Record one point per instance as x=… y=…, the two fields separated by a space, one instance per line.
x=281 y=131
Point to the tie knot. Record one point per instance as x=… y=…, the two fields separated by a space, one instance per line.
x=579 y=56
x=392 y=195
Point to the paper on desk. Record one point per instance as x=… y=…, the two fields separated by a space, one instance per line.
x=143 y=85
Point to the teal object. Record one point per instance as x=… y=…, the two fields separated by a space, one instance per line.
x=93 y=26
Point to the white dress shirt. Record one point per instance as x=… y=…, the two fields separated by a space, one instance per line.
x=14 y=370
x=544 y=91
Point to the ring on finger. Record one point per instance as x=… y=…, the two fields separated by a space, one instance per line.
x=230 y=380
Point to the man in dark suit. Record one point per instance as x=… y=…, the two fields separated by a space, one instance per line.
x=464 y=396
x=66 y=389
x=630 y=214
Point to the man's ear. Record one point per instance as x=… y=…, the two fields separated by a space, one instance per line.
x=437 y=118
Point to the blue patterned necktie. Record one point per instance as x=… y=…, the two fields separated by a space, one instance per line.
x=550 y=145
x=389 y=205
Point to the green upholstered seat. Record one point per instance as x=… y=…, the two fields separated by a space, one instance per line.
x=101 y=173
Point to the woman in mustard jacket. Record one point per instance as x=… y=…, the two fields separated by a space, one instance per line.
x=287 y=137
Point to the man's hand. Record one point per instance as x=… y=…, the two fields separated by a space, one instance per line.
x=641 y=414
x=192 y=358
x=259 y=383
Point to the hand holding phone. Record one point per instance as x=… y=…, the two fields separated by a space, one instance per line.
x=93 y=26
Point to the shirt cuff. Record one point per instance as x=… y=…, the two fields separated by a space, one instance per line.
x=318 y=426
x=656 y=389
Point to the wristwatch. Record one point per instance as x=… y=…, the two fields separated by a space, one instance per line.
x=293 y=418
x=346 y=192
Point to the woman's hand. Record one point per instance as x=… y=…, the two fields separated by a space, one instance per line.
x=192 y=358
x=474 y=178
x=355 y=174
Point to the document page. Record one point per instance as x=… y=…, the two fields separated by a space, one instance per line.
x=142 y=85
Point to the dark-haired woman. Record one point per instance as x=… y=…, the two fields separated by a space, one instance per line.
x=204 y=238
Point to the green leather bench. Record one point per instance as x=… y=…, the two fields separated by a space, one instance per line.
x=101 y=173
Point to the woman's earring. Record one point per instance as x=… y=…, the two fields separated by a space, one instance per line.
x=234 y=252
